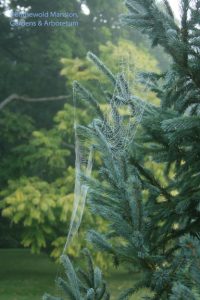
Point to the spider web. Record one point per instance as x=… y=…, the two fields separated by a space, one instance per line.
x=118 y=127
x=120 y=122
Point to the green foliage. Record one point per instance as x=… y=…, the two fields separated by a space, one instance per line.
x=15 y=130
x=37 y=205
x=46 y=147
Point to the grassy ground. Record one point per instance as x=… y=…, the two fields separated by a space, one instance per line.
x=26 y=277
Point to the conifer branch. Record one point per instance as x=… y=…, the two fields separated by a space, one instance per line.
x=168 y=7
x=151 y=179
x=184 y=31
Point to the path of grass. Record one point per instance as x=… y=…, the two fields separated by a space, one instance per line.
x=26 y=277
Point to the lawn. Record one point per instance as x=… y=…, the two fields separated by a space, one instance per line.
x=24 y=276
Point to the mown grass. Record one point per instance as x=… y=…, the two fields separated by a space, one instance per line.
x=24 y=276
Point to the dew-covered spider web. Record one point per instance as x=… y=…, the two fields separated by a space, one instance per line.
x=120 y=121
x=117 y=127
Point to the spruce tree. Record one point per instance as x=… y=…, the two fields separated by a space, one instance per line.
x=153 y=222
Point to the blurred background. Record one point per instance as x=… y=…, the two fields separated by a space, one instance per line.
x=38 y=66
